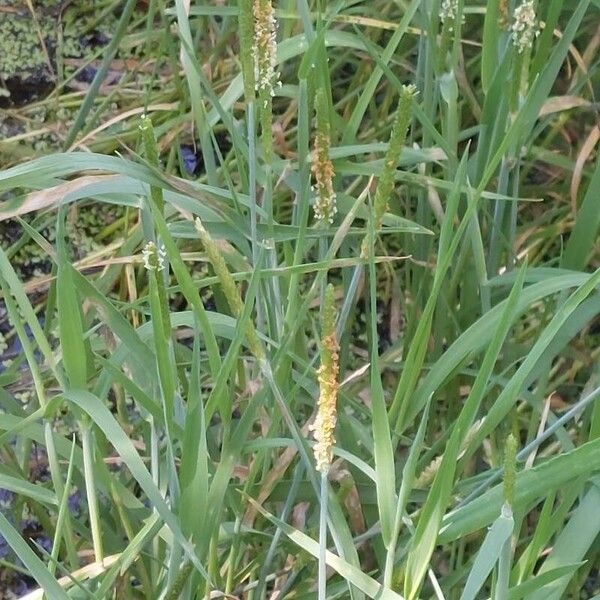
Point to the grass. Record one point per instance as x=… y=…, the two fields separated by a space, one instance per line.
x=166 y=378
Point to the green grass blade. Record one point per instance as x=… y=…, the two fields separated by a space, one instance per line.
x=25 y=488
x=572 y=543
x=539 y=582
x=75 y=350
x=532 y=484
x=488 y=555
x=382 y=439
x=37 y=569
x=509 y=394
x=489 y=52
x=361 y=580
x=102 y=417
x=587 y=225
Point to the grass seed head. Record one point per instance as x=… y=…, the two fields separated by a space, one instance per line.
x=229 y=287
x=397 y=141
x=385 y=186
x=246 y=25
x=510 y=469
x=227 y=282
x=324 y=425
x=325 y=203
x=448 y=10
x=154 y=257
x=525 y=27
x=264 y=48
x=503 y=12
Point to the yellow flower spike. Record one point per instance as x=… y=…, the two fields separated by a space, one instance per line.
x=325 y=421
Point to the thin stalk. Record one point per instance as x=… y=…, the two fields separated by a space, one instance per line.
x=213 y=564
x=233 y=554
x=408 y=477
x=322 y=590
x=250 y=118
x=496 y=241
x=504 y=563
x=62 y=513
x=274 y=292
x=349 y=299
x=512 y=224
x=510 y=476
x=90 y=489
x=301 y=209
x=154 y=471
x=479 y=260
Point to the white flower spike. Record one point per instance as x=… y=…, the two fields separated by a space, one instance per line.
x=525 y=27
x=154 y=257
